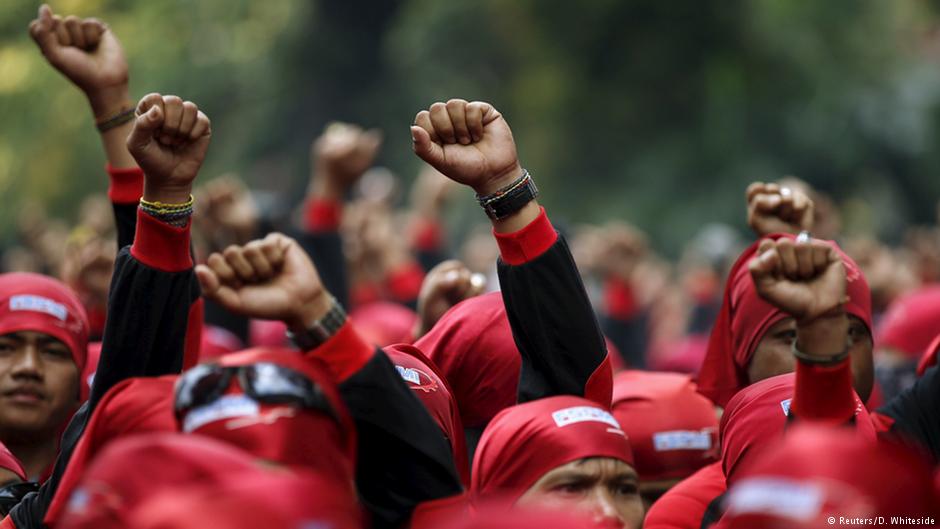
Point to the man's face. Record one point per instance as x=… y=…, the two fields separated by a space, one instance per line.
x=774 y=354
x=38 y=385
x=604 y=488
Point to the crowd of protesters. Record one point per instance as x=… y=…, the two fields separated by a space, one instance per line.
x=182 y=357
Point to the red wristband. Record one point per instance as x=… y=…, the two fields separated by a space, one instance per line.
x=126 y=184
x=824 y=393
x=160 y=245
x=345 y=353
x=322 y=215
x=522 y=246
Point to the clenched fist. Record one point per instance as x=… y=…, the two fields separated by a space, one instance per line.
x=446 y=285
x=469 y=142
x=88 y=54
x=169 y=142
x=340 y=156
x=772 y=208
x=805 y=279
x=272 y=279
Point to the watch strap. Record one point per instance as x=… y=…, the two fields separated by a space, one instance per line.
x=317 y=333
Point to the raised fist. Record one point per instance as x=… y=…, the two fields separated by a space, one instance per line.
x=805 y=279
x=86 y=52
x=271 y=279
x=772 y=208
x=169 y=142
x=342 y=154
x=446 y=285
x=469 y=142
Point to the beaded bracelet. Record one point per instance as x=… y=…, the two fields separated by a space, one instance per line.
x=164 y=207
x=117 y=120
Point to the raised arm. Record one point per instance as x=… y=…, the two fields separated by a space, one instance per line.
x=402 y=459
x=552 y=320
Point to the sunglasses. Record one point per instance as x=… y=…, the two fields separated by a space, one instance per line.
x=264 y=382
x=12 y=494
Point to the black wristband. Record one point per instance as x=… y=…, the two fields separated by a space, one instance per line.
x=822 y=361
x=510 y=199
x=117 y=120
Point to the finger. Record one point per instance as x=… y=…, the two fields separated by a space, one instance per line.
x=202 y=128
x=771 y=188
x=61 y=32
x=227 y=297
x=427 y=150
x=187 y=119
x=766 y=203
x=478 y=285
x=440 y=119
x=765 y=245
x=474 y=113
x=256 y=258
x=370 y=141
x=456 y=109
x=148 y=101
x=43 y=31
x=208 y=280
x=820 y=256
x=789 y=267
x=273 y=250
x=144 y=127
x=754 y=189
x=423 y=120
x=73 y=25
x=173 y=108
x=92 y=29
x=222 y=270
x=236 y=259
x=804 y=260
x=765 y=265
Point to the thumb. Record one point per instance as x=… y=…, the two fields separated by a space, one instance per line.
x=426 y=149
x=144 y=127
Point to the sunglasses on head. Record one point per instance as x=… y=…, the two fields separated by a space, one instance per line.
x=13 y=493
x=264 y=382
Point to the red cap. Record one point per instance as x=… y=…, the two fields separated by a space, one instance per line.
x=684 y=505
x=11 y=463
x=673 y=429
x=253 y=499
x=745 y=317
x=108 y=492
x=384 y=323
x=757 y=416
x=285 y=434
x=473 y=345
x=33 y=302
x=136 y=405
x=910 y=323
x=216 y=341
x=430 y=386
x=818 y=472
x=524 y=442
x=267 y=333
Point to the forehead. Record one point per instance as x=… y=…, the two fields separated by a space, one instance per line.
x=598 y=467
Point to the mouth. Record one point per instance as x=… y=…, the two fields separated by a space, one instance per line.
x=24 y=395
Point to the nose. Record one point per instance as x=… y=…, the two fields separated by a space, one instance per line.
x=605 y=511
x=28 y=363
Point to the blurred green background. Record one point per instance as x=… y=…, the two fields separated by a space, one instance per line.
x=655 y=111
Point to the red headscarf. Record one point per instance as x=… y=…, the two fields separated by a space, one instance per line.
x=253 y=499
x=684 y=505
x=136 y=405
x=524 y=442
x=817 y=472
x=673 y=430
x=745 y=317
x=33 y=302
x=430 y=386
x=501 y=517
x=757 y=416
x=473 y=345
x=11 y=463
x=281 y=433
x=910 y=323
x=108 y=492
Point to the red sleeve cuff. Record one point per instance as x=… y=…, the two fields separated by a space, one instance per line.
x=126 y=184
x=322 y=215
x=160 y=245
x=528 y=243
x=824 y=393
x=404 y=283
x=345 y=353
x=428 y=235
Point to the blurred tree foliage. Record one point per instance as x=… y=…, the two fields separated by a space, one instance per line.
x=657 y=111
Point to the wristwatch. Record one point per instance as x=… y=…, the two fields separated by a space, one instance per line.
x=317 y=333
x=510 y=199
